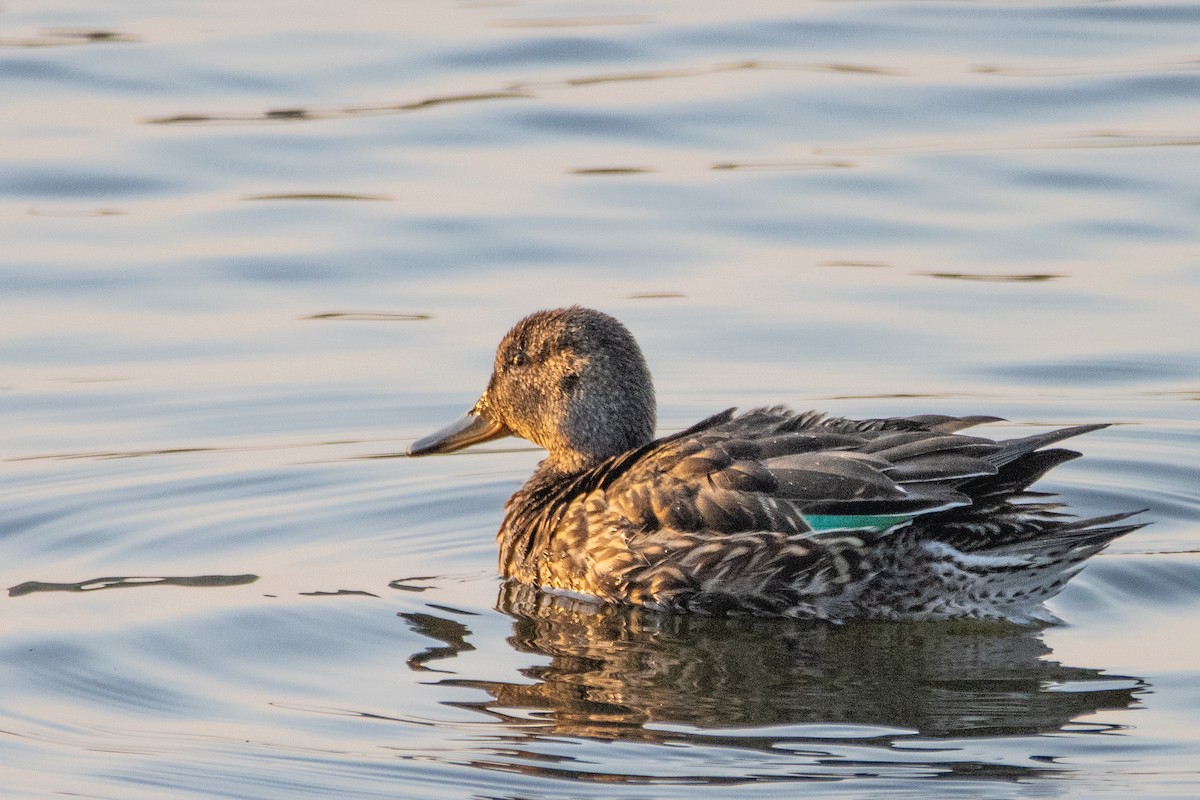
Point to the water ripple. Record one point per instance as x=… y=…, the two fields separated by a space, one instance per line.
x=868 y=208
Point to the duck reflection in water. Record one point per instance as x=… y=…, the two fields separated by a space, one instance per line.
x=615 y=671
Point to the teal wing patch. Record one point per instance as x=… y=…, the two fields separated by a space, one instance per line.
x=856 y=522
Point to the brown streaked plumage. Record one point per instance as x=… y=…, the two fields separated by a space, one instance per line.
x=767 y=512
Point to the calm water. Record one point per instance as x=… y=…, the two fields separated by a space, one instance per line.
x=248 y=253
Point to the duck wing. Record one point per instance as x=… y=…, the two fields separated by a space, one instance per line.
x=775 y=470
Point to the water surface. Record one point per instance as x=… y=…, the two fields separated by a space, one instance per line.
x=249 y=255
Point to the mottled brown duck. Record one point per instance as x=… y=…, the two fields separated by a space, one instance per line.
x=769 y=511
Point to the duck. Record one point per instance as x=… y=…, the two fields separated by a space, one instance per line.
x=768 y=512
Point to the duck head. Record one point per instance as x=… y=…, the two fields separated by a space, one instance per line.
x=571 y=380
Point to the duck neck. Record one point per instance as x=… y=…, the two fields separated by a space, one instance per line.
x=562 y=465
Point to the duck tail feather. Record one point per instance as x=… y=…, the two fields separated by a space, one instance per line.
x=1018 y=474
x=945 y=424
x=1013 y=449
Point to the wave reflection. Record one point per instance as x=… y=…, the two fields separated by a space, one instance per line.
x=128 y=582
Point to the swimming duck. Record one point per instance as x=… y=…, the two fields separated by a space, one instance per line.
x=767 y=512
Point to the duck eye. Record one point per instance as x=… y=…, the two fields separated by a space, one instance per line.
x=518 y=359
